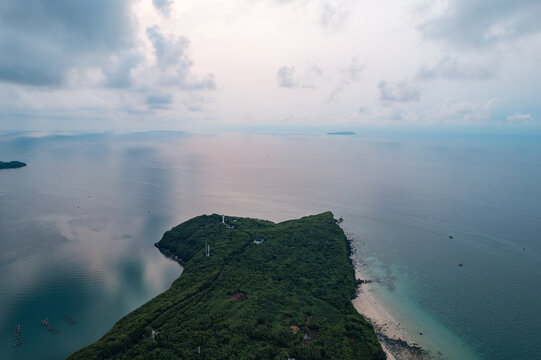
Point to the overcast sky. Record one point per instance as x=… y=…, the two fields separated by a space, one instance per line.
x=269 y=64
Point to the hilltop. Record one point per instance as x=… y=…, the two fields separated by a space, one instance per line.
x=266 y=291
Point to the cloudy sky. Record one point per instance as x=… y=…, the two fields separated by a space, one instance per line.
x=269 y=64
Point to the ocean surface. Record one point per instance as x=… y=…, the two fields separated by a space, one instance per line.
x=77 y=226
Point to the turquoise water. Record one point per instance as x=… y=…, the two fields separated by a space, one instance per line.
x=77 y=226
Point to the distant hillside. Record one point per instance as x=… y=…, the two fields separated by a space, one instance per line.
x=267 y=291
x=342 y=133
x=11 y=165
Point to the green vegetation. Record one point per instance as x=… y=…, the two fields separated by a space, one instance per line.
x=11 y=164
x=288 y=297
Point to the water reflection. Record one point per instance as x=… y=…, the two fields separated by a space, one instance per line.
x=65 y=246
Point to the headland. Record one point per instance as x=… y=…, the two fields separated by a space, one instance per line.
x=250 y=289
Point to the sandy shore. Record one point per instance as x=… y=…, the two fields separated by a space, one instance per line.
x=394 y=340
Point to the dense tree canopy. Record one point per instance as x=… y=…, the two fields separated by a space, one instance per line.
x=288 y=297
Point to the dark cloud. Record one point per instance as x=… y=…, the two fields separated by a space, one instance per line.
x=286 y=77
x=170 y=51
x=450 y=68
x=40 y=40
x=159 y=101
x=398 y=92
x=163 y=6
x=195 y=108
x=51 y=43
x=174 y=65
x=481 y=23
x=118 y=70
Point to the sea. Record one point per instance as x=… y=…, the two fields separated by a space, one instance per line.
x=448 y=226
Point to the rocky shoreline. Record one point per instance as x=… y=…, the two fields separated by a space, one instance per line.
x=168 y=254
x=401 y=349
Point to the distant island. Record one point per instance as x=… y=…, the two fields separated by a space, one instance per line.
x=342 y=133
x=251 y=289
x=11 y=165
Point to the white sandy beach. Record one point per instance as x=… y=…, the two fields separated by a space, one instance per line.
x=385 y=326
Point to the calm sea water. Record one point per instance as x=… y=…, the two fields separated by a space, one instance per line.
x=77 y=226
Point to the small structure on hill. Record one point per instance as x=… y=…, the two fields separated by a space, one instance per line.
x=226 y=224
x=153 y=334
x=259 y=241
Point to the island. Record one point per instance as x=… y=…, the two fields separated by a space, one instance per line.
x=11 y=165
x=342 y=133
x=250 y=289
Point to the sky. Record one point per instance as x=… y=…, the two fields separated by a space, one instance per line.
x=271 y=65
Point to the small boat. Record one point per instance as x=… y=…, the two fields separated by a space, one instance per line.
x=460 y=265
x=48 y=327
x=69 y=319
x=451 y=237
x=17 y=340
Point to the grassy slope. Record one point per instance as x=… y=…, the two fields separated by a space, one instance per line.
x=300 y=276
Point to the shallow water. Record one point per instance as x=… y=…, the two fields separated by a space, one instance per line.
x=78 y=224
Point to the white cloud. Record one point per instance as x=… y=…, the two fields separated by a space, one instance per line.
x=335 y=13
x=173 y=66
x=462 y=112
x=402 y=91
x=347 y=76
x=332 y=14
x=128 y=63
x=451 y=68
x=520 y=118
x=287 y=77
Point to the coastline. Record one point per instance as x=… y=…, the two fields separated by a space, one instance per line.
x=395 y=342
